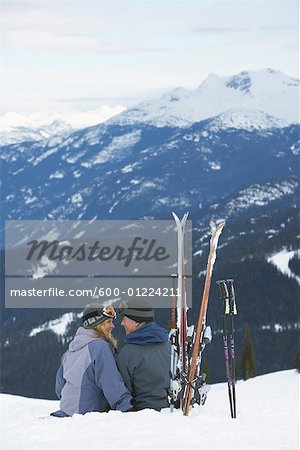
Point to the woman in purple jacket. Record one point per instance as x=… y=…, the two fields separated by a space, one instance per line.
x=88 y=379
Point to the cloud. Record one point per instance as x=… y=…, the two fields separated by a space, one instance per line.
x=279 y=28
x=62 y=55
x=219 y=30
x=75 y=43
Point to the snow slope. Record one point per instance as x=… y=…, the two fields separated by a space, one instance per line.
x=267 y=418
x=281 y=261
x=59 y=326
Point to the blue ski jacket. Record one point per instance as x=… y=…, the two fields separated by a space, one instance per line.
x=88 y=378
x=144 y=363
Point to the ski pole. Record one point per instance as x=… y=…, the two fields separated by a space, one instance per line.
x=227 y=367
x=225 y=298
x=233 y=312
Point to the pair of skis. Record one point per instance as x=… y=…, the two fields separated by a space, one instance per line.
x=187 y=384
x=178 y=333
x=227 y=295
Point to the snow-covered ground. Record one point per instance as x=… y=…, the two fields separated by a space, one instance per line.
x=281 y=261
x=267 y=418
x=59 y=326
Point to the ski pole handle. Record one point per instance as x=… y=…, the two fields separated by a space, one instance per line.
x=231 y=293
x=224 y=294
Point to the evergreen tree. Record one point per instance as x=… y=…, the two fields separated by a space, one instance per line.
x=248 y=356
x=297 y=359
x=205 y=369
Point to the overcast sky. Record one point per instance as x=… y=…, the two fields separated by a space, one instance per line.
x=62 y=56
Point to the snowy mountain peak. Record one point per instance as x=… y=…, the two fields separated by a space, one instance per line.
x=254 y=82
x=266 y=91
x=241 y=82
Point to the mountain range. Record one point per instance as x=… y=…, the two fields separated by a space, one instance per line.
x=228 y=149
x=265 y=91
x=36 y=126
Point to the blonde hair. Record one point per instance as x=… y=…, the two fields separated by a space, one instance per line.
x=104 y=334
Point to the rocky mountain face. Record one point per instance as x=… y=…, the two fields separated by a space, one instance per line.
x=229 y=149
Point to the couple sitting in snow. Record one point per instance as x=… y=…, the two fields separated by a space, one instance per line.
x=93 y=377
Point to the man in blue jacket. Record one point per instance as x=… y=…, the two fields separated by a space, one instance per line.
x=144 y=362
x=88 y=378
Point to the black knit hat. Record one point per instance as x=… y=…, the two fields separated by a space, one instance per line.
x=95 y=313
x=138 y=310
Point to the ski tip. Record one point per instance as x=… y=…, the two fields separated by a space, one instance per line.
x=219 y=224
x=212 y=224
x=184 y=217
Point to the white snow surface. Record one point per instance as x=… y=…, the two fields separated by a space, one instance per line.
x=58 y=326
x=251 y=99
x=43 y=268
x=116 y=149
x=281 y=261
x=267 y=418
x=261 y=195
